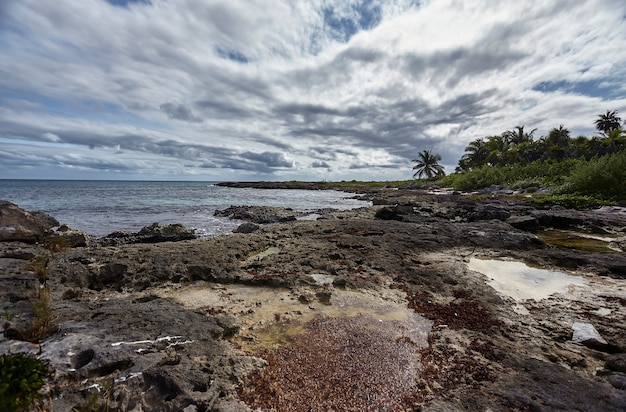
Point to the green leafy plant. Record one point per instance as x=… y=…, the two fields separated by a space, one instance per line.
x=604 y=176
x=21 y=378
x=570 y=201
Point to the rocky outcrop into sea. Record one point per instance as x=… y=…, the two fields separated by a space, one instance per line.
x=420 y=302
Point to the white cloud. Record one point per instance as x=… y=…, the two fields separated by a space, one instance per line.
x=285 y=89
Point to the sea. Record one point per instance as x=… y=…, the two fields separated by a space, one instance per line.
x=102 y=207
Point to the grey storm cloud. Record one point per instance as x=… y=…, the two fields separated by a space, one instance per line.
x=290 y=89
x=269 y=159
x=224 y=109
x=319 y=164
x=389 y=127
x=179 y=112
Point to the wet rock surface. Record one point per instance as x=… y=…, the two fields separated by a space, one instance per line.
x=183 y=325
x=154 y=233
x=258 y=214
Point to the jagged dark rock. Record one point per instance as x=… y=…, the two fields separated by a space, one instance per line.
x=488 y=212
x=617 y=362
x=258 y=214
x=527 y=223
x=170 y=324
x=247 y=227
x=154 y=233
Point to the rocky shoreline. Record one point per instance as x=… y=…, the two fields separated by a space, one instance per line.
x=379 y=308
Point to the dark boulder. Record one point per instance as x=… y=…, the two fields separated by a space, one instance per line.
x=246 y=228
x=559 y=219
x=616 y=362
x=390 y=213
x=258 y=214
x=169 y=233
x=526 y=223
x=154 y=233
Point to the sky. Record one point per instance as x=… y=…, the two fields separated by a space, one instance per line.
x=292 y=89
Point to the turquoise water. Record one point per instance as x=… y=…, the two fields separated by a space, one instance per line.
x=102 y=207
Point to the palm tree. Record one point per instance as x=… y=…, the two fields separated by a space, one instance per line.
x=557 y=143
x=498 y=147
x=518 y=136
x=476 y=156
x=609 y=121
x=427 y=164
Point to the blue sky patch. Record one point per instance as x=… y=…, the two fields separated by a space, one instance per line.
x=85 y=109
x=362 y=16
x=233 y=55
x=126 y=3
x=592 y=88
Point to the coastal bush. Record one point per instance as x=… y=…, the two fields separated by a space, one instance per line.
x=478 y=178
x=604 y=176
x=540 y=173
x=571 y=201
x=21 y=378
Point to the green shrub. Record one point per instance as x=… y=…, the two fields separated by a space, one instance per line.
x=21 y=378
x=536 y=174
x=604 y=176
x=570 y=201
x=479 y=178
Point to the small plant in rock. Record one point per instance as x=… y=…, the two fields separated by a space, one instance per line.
x=21 y=378
x=39 y=265
x=97 y=400
x=56 y=243
x=43 y=323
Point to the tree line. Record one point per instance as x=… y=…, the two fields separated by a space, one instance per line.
x=593 y=167
x=518 y=146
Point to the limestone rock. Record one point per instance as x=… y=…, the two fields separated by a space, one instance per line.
x=587 y=335
x=258 y=214
x=66 y=237
x=16 y=224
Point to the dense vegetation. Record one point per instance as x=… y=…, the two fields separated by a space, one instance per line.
x=580 y=167
x=21 y=377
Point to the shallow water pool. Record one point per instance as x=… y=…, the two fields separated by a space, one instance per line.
x=522 y=282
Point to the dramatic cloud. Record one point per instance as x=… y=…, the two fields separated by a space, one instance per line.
x=281 y=90
x=180 y=112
